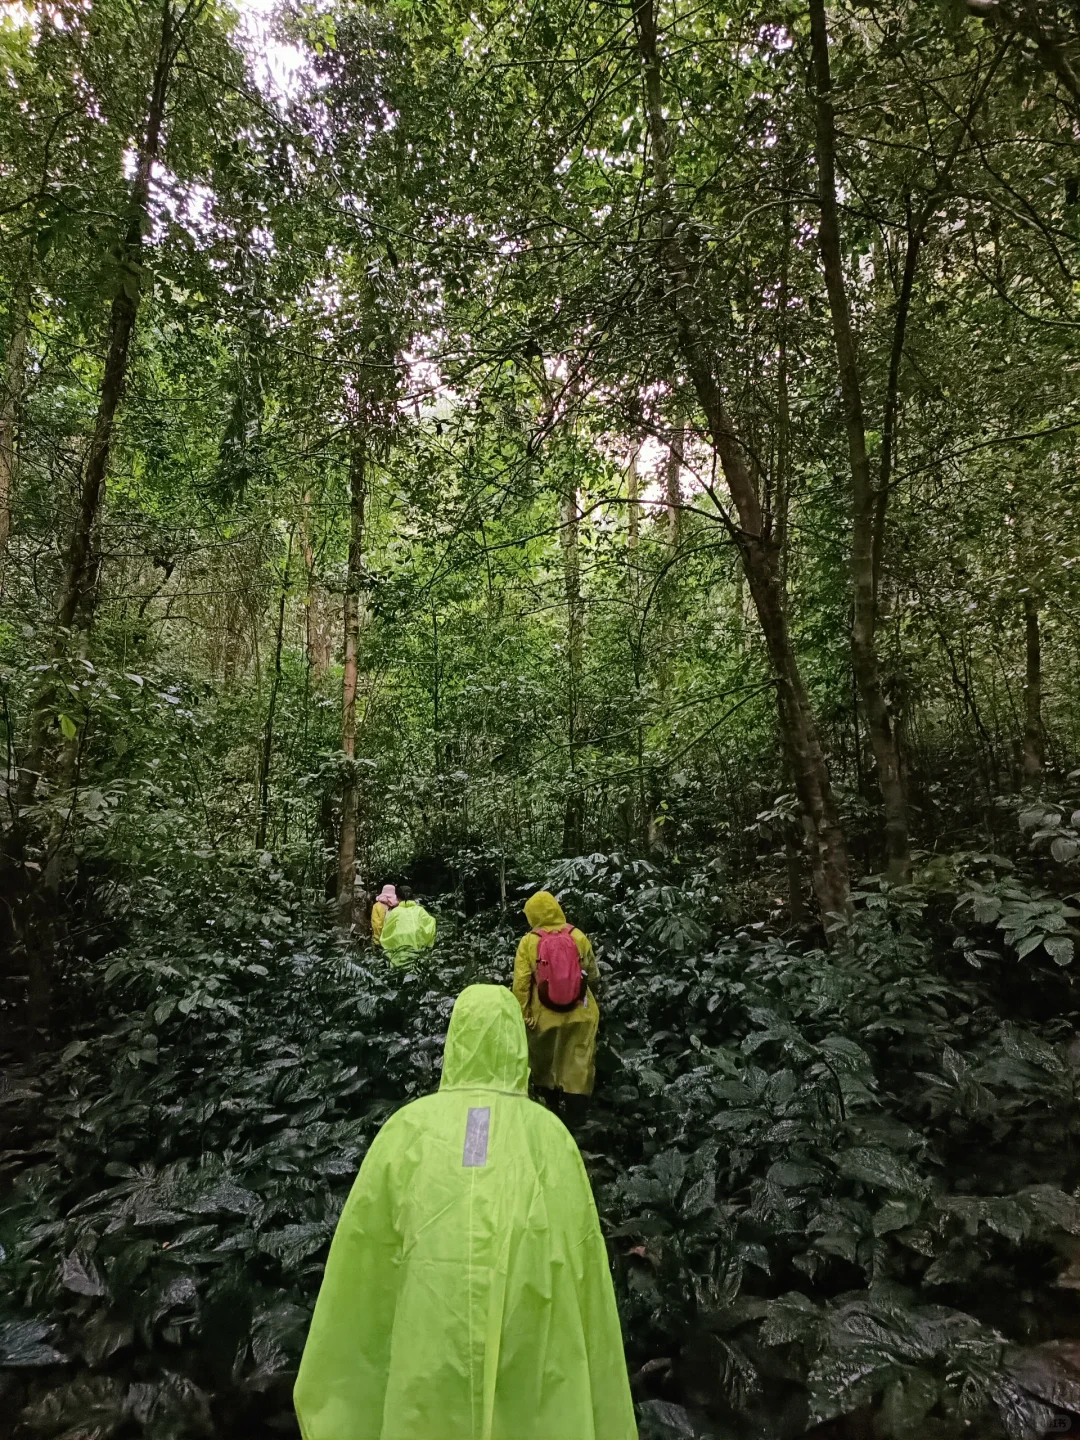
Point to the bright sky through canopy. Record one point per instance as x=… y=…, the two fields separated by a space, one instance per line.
x=274 y=64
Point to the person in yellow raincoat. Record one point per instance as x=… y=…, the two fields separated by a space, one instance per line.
x=468 y=1292
x=385 y=901
x=562 y=1044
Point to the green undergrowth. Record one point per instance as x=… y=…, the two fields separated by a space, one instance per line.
x=832 y=1181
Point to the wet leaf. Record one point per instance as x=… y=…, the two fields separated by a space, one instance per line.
x=81 y=1275
x=26 y=1344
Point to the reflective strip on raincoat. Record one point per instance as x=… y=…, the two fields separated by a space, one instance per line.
x=468 y=1294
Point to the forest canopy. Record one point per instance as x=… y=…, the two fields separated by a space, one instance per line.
x=627 y=446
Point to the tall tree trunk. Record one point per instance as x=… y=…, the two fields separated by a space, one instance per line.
x=266 y=752
x=80 y=573
x=781 y=504
x=633 y=497
x=673 y=501
x=965 y=691
x=317 y=649
x=673 y=486
x=436 y=676
x=75 y=602
x=350 y=796
x=892 y=393
x=13 y=383
x=756 y=548
x=317 y=632
x=781 y=498
x=667 y=596
x=1033 y=732
x=642 y=819
x=573 y=809
x=883 y=735
x=75 y=606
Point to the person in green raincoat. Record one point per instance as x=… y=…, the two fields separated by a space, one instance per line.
x=562 y=1044
x=468 y=1295
x=407 y=930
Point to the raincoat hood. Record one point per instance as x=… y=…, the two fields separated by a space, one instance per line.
x=486 y=1044
x=468 y=1293
x=543 y=910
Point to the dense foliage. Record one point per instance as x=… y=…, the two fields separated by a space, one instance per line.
x=632 y=445
x=827 y=1177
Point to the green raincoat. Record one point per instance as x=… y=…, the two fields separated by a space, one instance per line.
x=407 y=930
x=562 y=1044
x=467 y=1295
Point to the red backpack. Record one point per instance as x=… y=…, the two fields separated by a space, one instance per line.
x=560 y=980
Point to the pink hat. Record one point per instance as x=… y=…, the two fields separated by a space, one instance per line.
x=387 y=896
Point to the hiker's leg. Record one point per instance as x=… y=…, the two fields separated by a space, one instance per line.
x=555 y=1100
x=575 y=1111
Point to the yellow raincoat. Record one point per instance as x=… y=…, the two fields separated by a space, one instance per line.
x=379 y=913
x=562 y=1044
x=468 y=1292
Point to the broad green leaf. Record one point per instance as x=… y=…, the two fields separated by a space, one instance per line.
x=882 y=1169
x=24 y=1344
x=81 y=1275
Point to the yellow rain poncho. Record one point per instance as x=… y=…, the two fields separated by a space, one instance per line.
x=379 y=912
x=405 y=931
x=562 y=1044
x=467 y=1295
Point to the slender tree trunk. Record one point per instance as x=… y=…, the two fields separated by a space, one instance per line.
x=782 y=485
x=781 y=505
x=673 y=486
x=573 y=810
x=436 y=718
x=917 y=223
x=350 y=797
x=892 y=398
x=77 y=595
x=641 y=821
x=883 y=736
x=267 y=749
x=80 y=574
x=757 y=550
x=633 y=539
x=75 y=603
x=317 y=632
x=669 y=588
x=1033 y=732
x=987 y=752
x=318 y=654
x=793 y=863
x=632 y=499
x=14 y=381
